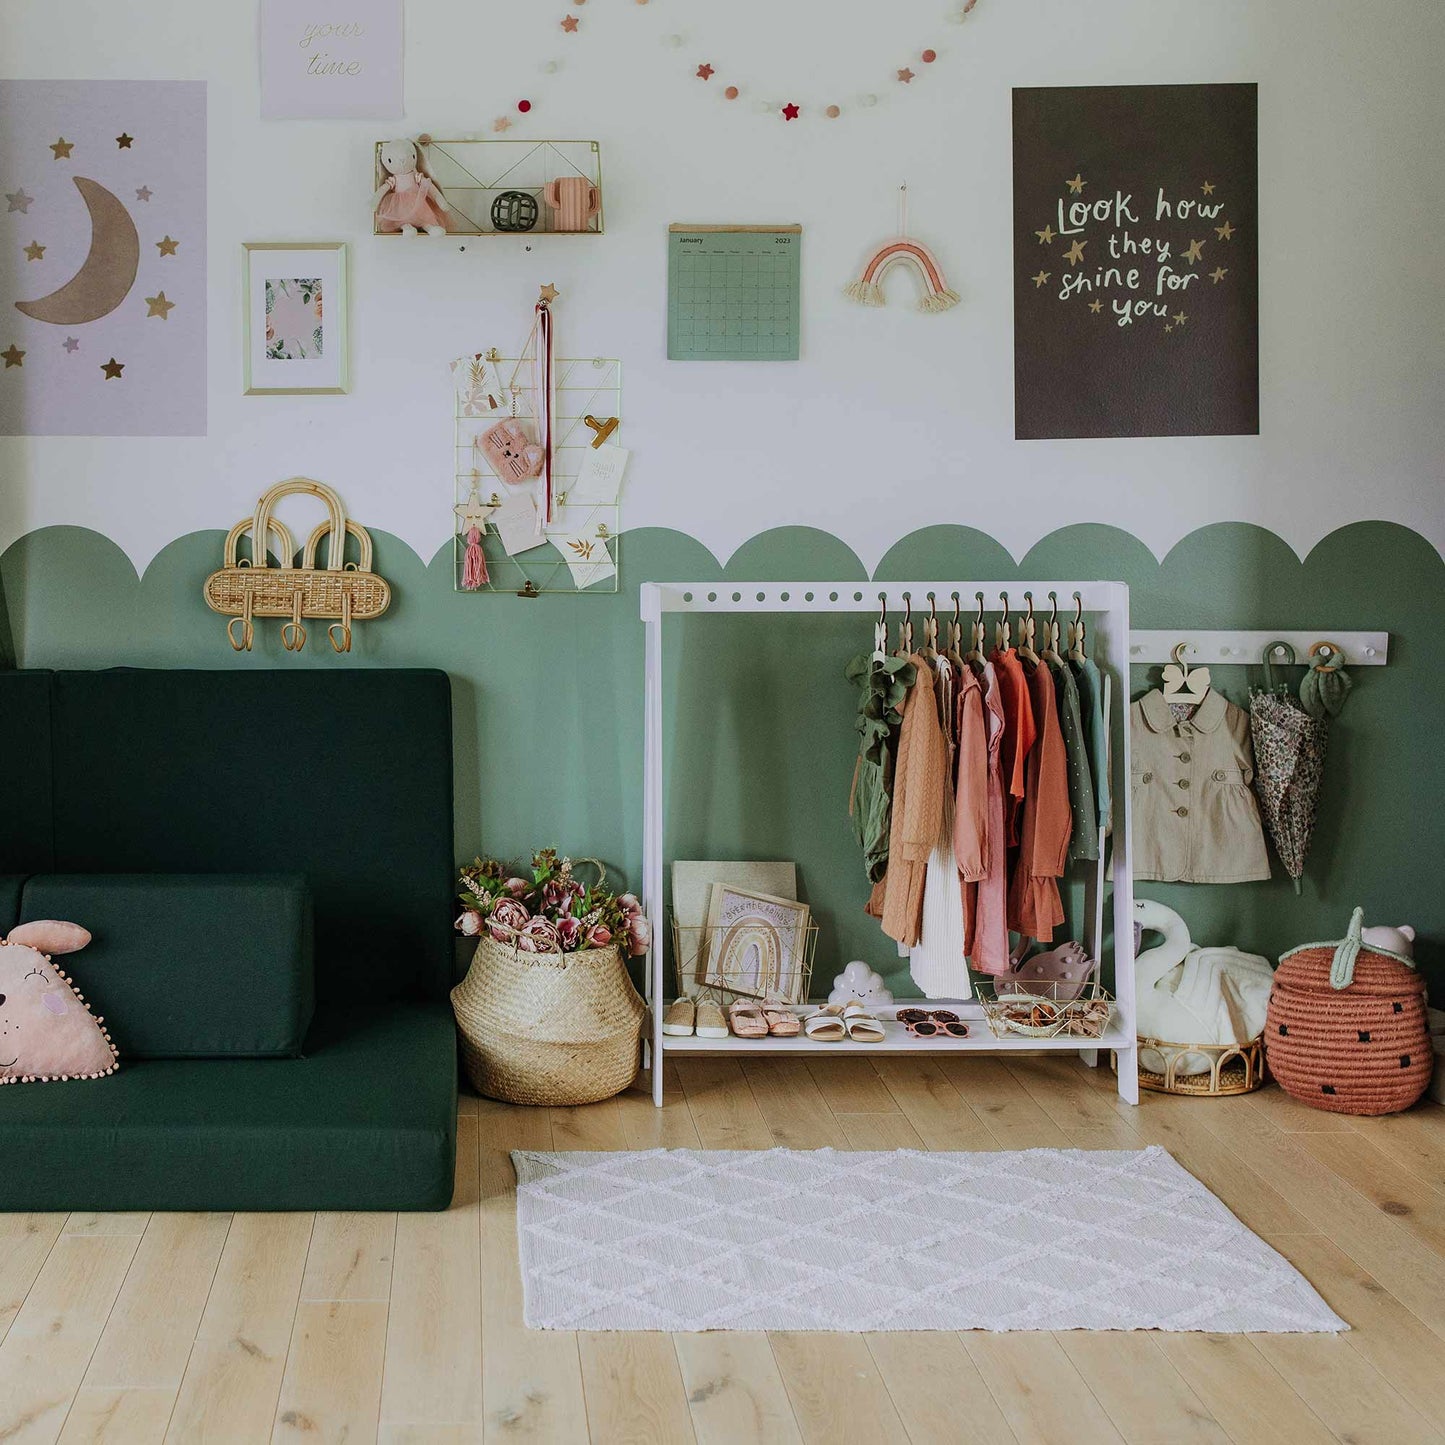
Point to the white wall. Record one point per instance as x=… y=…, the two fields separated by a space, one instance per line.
x=893 y=420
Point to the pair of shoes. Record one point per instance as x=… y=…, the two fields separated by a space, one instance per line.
x=685 y=1017
x=837 y=1021
x=751 y=1020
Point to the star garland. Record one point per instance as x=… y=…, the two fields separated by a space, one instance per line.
x=731 y=90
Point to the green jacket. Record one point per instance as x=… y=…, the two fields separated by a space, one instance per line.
x=882 y=687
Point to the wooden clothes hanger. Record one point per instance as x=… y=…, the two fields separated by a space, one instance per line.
x=1003 y=638
x=1026 y=634
x=1051 y=634
x=977 y=637
x=1076 y=632
x=880 y=630
x=1183 y=683
x=905 y=627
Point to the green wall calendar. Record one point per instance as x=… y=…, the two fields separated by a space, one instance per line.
x=732 y=293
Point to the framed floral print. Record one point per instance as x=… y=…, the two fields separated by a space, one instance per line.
x=296 y=308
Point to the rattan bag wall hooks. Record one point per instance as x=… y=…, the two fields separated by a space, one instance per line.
x=245 y=589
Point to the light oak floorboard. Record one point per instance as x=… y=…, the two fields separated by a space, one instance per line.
x=1415 y=1140
x=836 y=1389
x=647 y=1127
x=879 y=1131
x=724 y=1111
x=25 y=1243
x=118 y=1417
x=790 y=1103
x=932 y=1105
x=147 y=1339
x=937 y=1390
x=107 y=1223
x=635 y=1394
x=1039 y=1392
x=234 y=1374
x=1011 y=1114
x=531 y=1379
x=332 y=1388
x=45 y=1354
x=851 y=1086
x=735 y=1392
x=434 y=1327
x=350 y=1257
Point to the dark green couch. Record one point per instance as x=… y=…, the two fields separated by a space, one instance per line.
x=343 y=777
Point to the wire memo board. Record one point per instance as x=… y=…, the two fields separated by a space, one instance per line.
x=581 y=548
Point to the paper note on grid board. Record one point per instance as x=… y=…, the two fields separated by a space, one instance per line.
x=733 y=293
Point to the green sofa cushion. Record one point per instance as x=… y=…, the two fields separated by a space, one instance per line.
x=27 y=831
x=190 y=966
x=366 y=1121
x=11 y=887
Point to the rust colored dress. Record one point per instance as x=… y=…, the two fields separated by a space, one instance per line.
x=1035 y=908
x=1018 y=736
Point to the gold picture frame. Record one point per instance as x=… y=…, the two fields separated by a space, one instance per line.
x=755 y=944
x=278 y=369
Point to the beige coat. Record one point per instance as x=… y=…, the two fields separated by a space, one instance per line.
x=1195 y=816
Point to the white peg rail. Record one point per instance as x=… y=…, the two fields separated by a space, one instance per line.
x=1106 y=608
x=1246 y=649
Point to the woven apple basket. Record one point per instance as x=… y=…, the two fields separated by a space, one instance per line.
x=548 y=1028
x=1347 y=1029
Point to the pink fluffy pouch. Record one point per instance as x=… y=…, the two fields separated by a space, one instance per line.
x=47 y=1031
x=511 y=453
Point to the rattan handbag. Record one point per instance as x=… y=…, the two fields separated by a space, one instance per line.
x=347 y=591
x=548 y=1028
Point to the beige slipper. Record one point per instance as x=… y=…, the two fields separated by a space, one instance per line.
x=826 y=1026
x=680 y=1017
x=710 y=1022
x=747 y=1019
x=862 y=1027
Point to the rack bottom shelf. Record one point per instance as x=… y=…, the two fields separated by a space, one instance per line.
x=897 y=1040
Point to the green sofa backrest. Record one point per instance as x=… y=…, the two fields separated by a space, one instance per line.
x=343 y=776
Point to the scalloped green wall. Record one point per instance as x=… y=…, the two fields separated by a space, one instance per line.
x=548 y=697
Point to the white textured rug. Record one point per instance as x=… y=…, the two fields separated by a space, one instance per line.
x=785 y=1239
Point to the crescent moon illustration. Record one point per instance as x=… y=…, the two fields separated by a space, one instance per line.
x=108 y=272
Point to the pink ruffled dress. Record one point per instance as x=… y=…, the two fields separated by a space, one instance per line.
x=411 y=202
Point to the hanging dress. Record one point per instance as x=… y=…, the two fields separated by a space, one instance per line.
x=1035 y=908
x=986 y=901
x=1083 y=810
x=1018 y=736
x=937 y=960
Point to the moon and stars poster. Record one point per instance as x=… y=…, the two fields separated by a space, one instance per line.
x=1136 y=262
x=102 y=258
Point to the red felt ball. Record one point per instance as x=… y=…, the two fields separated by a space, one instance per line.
x=524 y=106
x=929 y=56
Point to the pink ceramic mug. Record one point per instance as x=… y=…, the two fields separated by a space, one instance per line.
x=574 y=199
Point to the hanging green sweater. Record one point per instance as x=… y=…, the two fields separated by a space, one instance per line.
x=882 y=687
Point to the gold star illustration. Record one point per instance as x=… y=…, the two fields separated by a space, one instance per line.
x=18 y=201
x=1193 y=252
x=157 y=305
x=1208 y=188
x=548 y=293
x=112 y=369
x=1180 y=318
x=71 y=345
x=1076 y=186
x=1046 y=235
x=144 y=193
x=1042 y=279
x=1167 y=329
x=63 y=148
x=34 y=251
x=1075 y=253
x=123 y=141
x=1096 y=306
x=167 y=247
x=13 y=356
x=1224 y=232
x=1218 y=274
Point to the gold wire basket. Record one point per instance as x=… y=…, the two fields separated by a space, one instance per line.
x=1233 y=1068
x=1046 y=1011
x=760 y=962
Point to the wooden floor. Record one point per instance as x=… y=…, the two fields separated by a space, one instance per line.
x=354 y=1327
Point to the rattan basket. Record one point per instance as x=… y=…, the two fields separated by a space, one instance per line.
x=548 y=1028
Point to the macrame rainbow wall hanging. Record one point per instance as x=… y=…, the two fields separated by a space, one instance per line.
x=903 y=250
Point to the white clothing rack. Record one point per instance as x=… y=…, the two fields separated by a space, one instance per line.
x=1107 y=607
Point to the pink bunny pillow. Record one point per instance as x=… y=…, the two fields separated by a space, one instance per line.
x=47 y=1031
x=513 y=455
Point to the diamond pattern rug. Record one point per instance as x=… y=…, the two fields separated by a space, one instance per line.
x=785 y=1239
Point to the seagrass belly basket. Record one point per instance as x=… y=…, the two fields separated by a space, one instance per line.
x=245 y=589
x=1347 y=1029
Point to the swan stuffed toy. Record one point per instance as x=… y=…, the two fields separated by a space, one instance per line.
x=1192 y=995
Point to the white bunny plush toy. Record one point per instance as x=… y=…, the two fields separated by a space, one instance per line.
x=408 y=198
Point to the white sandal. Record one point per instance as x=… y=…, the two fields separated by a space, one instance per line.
x=826 y=1026
x=862 y=1027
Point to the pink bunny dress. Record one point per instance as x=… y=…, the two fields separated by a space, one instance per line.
x=411 y=202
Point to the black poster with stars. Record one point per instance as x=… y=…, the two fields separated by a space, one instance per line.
x=1136 y=263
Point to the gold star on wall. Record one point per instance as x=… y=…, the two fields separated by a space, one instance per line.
x=167 y=247
x=1096 y=306
x=34 y=251
x=906 y=76
x=1075 y=253
x=548 y=293
x=63 y=148
x=1180 y=318
x=123 y=141
x=1208 y=188
x=112 y=369
x=1224 y=232
x=158 y=306
x=1046 y=235
x=1193 y=251
x=1167 y=329
x=1076 y=186
x=1218 y=274
x=1042 y=279
x=13 y=356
